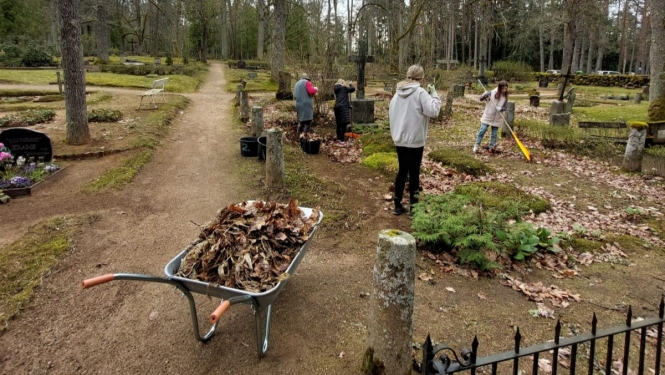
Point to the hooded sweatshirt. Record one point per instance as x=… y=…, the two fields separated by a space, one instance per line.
x=491 y=115
x=410 y=110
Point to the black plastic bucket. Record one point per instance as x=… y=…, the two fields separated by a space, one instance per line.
x=248 y=146
x=261 y=150
x=311 y=147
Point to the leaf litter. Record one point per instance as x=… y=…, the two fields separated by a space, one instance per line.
x=249 y=245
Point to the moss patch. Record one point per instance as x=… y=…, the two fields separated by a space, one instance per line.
x=583 y=245
x=25 y=262
x=377 y=142
x=657 y=109
x=371 y=365
x=499 y=196
x=384 y=162
x=120 y=176
x=460 y=161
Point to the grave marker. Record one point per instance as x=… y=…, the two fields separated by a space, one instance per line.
x=27 y=143
x=252 y=75
x=362 y=112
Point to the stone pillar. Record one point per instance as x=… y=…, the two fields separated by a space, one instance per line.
x=274 y=159
x=284 y=91
x=448 y=109
x=244 y=106
x=390 y=325
x=257 y=121
x=510 y=118
x=632 y=159
x=570 y=102
x=558 y=115
x=238 y=93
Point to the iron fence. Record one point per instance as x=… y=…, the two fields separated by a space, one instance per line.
x=436 y=360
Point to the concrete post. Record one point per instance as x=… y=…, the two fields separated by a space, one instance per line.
x=390 y=324
x=510 y=118
x=632 y=159
x=57 y=74
x=257 y=121
x=274 y=159
x=244 y=106
x=238 y=93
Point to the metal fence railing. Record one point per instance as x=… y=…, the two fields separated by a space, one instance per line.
x=436 y=360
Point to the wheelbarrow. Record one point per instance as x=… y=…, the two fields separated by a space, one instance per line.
x=228 y=296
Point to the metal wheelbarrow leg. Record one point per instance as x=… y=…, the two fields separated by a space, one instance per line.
x=261 y=342
x=192 y=304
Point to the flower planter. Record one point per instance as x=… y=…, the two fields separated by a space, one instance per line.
x=19 y=192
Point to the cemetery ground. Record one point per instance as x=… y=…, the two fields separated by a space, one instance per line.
x=319 y=322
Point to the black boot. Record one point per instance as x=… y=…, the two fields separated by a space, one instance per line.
x=399 y=209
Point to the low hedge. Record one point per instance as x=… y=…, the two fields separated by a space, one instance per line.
x=617 y=80
x=143 y=70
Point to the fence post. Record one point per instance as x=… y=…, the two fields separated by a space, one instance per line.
x=274 y=159
x=510 y=118
x=257 y=121
x=632 y=159
x=390 y=324
x=244 y=106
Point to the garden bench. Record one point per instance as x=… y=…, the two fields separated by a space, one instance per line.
x=156 y=87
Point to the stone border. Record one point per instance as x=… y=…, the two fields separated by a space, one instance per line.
x=19 y=192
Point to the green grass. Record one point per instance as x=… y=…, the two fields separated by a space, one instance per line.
x=460 y=161
x=373 y=143
x=622 y=111
x=497 y=195
x=384 y=162
x=120 y=176
x=262 y=82
x=177 y=83
x=25 y=262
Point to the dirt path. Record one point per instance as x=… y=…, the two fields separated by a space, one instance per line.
x=131 y=327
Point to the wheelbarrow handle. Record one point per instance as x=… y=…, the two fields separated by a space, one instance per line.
x=97 y=280
x=214 y=317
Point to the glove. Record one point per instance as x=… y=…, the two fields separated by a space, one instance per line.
x=431 y=89
x=485 y=95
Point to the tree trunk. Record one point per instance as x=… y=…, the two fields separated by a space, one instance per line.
x=279 y=39
x=262 y=11
x=657 y=85
x=78 y=132
x=643 y=41
x=592 y=47
x=204 y=42
x=225 y=29
x=602 y=31
x=623 y=49
x=550 y=63
x=102 y=33
x=569 y=39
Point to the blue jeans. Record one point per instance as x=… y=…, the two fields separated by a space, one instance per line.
x=481 y=134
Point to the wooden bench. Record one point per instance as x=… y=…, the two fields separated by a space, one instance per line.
x=156 y=87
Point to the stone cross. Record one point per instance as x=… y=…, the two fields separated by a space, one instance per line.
x=361 y=58
x=132 y=42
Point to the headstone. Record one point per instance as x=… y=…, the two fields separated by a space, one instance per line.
x=284 y=91
x=534 y=101
x=158 y=61
x=361 y=59
x=510 y=118
x=458 y=91
x=481 y=76
x=571 y=101
x=543 y=82
x=241 y=64
x=251 y=75
x=637 y=99
x=27 y=143
x=362 y=112
x=561 y=119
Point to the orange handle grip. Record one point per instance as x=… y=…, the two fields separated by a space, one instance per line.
x=97 y=280
x=214 y=317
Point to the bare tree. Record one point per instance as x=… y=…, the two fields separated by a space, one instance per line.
x=279 y=39
x=657 y=86
x=78 y=132
x=102 y=32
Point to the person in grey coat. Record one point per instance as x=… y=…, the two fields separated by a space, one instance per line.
x=303 y=93
x=342 y=107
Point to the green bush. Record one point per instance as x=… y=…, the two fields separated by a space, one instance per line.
x=104 y=115
x=34 y=57
x=142 y=70
x=25 y=118
x=460 y=161
x=169 y=60
x=512 y=70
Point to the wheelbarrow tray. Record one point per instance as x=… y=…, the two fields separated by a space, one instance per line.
x=263 y=299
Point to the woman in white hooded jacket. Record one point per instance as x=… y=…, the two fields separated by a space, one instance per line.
x=410 y=110
x=497 y=100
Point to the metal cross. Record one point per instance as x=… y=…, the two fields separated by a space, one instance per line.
x=132 y=42
x=565 y=82
x=361 y=59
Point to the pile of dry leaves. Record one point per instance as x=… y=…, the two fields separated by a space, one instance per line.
x=249 y=245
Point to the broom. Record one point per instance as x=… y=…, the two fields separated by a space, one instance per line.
x=525 y=151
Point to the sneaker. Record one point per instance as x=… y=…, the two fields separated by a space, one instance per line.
x=399 y=209
x=341 y=144
x=475 y=149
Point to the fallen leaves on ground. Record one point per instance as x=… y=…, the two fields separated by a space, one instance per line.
x=538 y=292
x=249 y=245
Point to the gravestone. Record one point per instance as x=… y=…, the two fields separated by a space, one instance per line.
x=534 y=101
x=251 y=75
x=27 y=143
x=543 y=82
x=571 y=100
x=241 y=64
x=510 y=119
x=362 y=110
x=561 y=119
x=481 y=76
x=637 y=99
x=158 y=61
x=284 y=91
x=558 y=114
x=458 y=91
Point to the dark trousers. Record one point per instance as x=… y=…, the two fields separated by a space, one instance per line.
x=341 y=130
x=304 y=126
x=409 y=163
